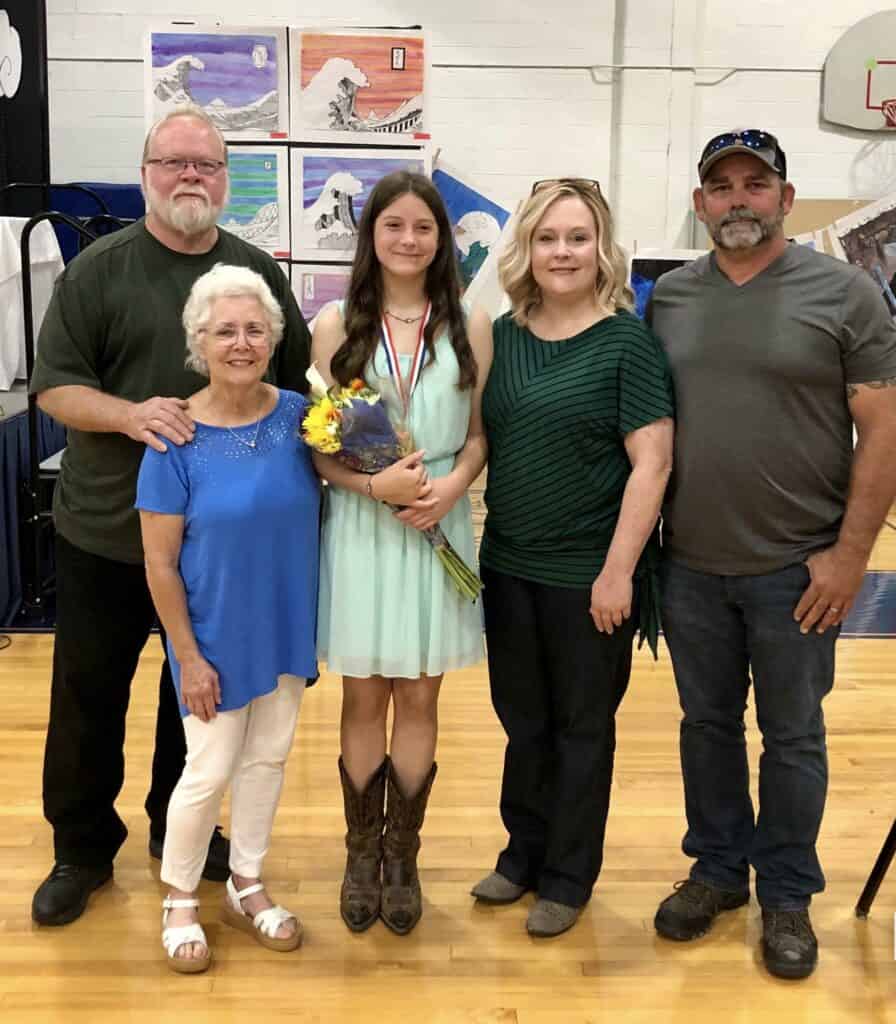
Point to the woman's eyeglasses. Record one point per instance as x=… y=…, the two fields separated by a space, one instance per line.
x=581 y=184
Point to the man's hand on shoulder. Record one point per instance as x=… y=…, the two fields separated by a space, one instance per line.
x=90 y=409
x=157 y=418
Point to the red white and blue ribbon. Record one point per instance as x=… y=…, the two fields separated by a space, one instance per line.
x=417 y=362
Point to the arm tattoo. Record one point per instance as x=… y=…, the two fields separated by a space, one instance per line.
x=876 y=385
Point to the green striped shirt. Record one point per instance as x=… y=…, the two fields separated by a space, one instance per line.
x=556 y=415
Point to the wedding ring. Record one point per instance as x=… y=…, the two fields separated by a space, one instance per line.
x=831 y=608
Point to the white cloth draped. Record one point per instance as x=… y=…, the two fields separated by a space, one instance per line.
x=46 y=263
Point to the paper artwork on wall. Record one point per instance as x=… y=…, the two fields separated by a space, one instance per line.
x=485 y=289
x=238 y=77
x=867 y=239
x=10 y=58
x=258 y=209
x=358 y=86
x=476 y=221
x=317 y=285
x=649 y=265
x=329 y=190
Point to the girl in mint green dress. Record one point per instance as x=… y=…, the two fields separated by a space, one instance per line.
x=390 y=620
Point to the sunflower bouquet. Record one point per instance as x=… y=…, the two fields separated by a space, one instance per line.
x=352 y=424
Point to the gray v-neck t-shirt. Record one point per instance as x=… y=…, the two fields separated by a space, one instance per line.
x=764 y=442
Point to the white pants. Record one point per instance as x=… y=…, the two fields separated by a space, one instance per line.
x=246 y=748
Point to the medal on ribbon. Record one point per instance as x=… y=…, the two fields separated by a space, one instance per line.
x=404 y=388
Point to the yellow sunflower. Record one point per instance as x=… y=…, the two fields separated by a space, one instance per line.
x=321 y=427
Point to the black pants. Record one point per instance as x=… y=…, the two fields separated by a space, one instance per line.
x=556 y=683
x=104 y=617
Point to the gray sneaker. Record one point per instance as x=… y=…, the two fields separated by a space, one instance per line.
x=548 y=918
x=497 y=889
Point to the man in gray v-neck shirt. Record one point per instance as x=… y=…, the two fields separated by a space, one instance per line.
x=777 y=352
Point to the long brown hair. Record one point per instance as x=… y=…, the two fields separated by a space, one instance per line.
x=364 y=300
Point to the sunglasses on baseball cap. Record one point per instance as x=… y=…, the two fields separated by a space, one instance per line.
x=760 y=144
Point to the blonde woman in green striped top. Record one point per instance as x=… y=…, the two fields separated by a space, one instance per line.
x=578 y=416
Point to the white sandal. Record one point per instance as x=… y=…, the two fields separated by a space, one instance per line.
x=175 y=937
x=263 y=926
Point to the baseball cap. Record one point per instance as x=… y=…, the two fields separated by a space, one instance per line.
x=758 y=143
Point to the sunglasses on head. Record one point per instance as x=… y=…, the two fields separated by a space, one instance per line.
x=577 y=183
x=752 y=138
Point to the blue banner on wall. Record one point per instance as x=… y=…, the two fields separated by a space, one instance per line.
x=475 y=220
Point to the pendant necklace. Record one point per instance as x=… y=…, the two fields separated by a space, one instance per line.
x=253 y=444
x=406 y=319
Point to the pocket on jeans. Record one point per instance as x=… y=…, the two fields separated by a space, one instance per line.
x=803 y=569
x=781 y=588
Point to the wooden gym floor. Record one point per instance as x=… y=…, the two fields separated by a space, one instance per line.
x=462 y=963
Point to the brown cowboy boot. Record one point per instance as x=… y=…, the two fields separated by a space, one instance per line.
x=402 y=902
x=359 y=898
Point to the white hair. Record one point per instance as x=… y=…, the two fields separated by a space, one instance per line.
x=192 y=110
x=224 y=281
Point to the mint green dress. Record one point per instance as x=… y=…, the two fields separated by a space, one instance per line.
x=386 y=605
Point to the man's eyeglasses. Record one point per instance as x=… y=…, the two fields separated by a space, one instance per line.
x=763 y=144
x=581 y=184
x=176 y=165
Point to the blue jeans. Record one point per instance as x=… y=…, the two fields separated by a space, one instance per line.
x=721 y=630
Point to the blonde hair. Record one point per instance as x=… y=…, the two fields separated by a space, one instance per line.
x=224 y=281
x=184 y=110
x=515 y=264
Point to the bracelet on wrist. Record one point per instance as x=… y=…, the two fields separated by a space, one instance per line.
x=369 y=488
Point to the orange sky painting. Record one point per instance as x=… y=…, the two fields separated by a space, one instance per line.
x=373 y=54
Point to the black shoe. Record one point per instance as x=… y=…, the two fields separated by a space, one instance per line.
x=789 y=946
x=62 y=896
x=217 y=863
x=691 y=909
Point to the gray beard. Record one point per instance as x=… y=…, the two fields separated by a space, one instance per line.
x=746 y=232
x=189 y=217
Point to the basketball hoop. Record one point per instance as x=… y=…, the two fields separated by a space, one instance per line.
x=888 y=108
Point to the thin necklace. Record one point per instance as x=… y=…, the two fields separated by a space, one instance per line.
x=405 y=319
x=254 y=442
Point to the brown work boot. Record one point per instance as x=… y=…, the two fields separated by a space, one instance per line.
x=359 y=898
x=402 y=899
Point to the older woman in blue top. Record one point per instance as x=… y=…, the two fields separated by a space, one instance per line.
x=230 y=532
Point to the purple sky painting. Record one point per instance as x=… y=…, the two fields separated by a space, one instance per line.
x=239 y=69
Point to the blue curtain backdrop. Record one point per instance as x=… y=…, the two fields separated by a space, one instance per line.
x=13 y=470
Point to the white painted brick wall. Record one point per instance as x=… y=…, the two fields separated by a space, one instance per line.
x=824 y=160
x=505 y=127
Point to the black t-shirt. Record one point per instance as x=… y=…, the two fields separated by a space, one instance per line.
x=114 y=324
